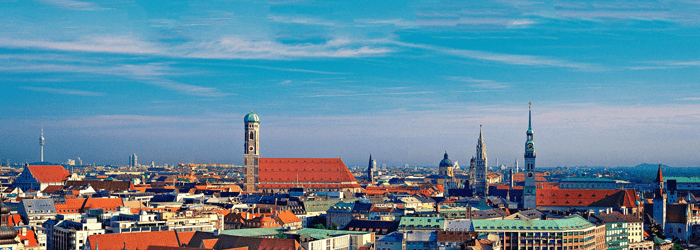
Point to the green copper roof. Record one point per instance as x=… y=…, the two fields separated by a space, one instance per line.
x=422 y=222
x=587 y=179
x=251 y=117
x=683 y=179
x=574 y=222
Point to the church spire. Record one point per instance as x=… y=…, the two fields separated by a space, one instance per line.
x=480 y=147
x=529 y=118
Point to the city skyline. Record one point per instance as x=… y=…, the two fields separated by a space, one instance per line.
x=611 y=85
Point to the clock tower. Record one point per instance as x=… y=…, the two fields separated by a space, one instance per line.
x=251 y=157
x=530 y=190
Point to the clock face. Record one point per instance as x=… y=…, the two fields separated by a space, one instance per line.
x=529 y=146
x=529 y=174
x=251 y=148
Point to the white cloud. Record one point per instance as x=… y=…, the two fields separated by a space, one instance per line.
x=300 y=20
x=65 y=91
x=73 y=5
x=152 y=73
x=511 y=59
x=118 y=45
x=479 y=83
x=238 y=48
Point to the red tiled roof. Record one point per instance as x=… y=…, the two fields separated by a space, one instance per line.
x=51 y=189
x=49 y=173
x=586 y=197
x=321 y=172
x=70 y=207
x=133 y=240
x=14 y=219
x=80 y=205
x=174 y=248
x=28 y=236
x=209 y=243
x=287 y=216
x=108 y=204
x=106 y=185
x=185 y=237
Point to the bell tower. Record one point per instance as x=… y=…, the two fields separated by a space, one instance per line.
x=251 y=157
x=530 y=189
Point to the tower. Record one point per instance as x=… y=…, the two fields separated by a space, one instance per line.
x=133 y=160
x=446 y=167
x=659 y=211
x=251 y=157
x=512 y=175
x=480 y=168
x=370 y=169
x=517 y=169
x=41 y=142
x=472 y=174
x=530 y=190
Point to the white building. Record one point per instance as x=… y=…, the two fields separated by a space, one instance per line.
x=72 y=235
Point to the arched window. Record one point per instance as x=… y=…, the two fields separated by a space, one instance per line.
x=679 y=230
x=252 y=136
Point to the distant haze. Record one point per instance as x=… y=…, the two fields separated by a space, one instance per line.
x=611 y=84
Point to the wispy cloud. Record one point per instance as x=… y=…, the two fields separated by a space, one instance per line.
x=688 y=99
x=224 y=48
x=665 y=65
x=119 y=45
x=300 y=20
x=370 y=94
x=290 y=69
x=130 y=120
x=64 y=91
x=238 y=48
x=400 y=23
x=479 y=83
x=151 y=73
x=528 y=60
x=73 y=5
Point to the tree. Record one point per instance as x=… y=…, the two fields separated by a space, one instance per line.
x=319 y=226
x=280 y=235
x=654 y=228
x=333 y=226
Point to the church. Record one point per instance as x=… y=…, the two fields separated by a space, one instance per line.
x=278 y=175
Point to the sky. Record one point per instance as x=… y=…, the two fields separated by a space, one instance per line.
x=611 y=84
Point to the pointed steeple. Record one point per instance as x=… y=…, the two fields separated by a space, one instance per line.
x=445 y=154
x=480 y=148
x=659 y=175
x=481 y=137
x=529 y=119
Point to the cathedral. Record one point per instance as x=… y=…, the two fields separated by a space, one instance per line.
x=278 y=175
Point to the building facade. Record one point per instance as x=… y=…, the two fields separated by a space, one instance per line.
x=72 y=235
x=39 y=177
x=573 y=232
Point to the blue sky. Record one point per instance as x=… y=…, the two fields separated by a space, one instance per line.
x=612 y=84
